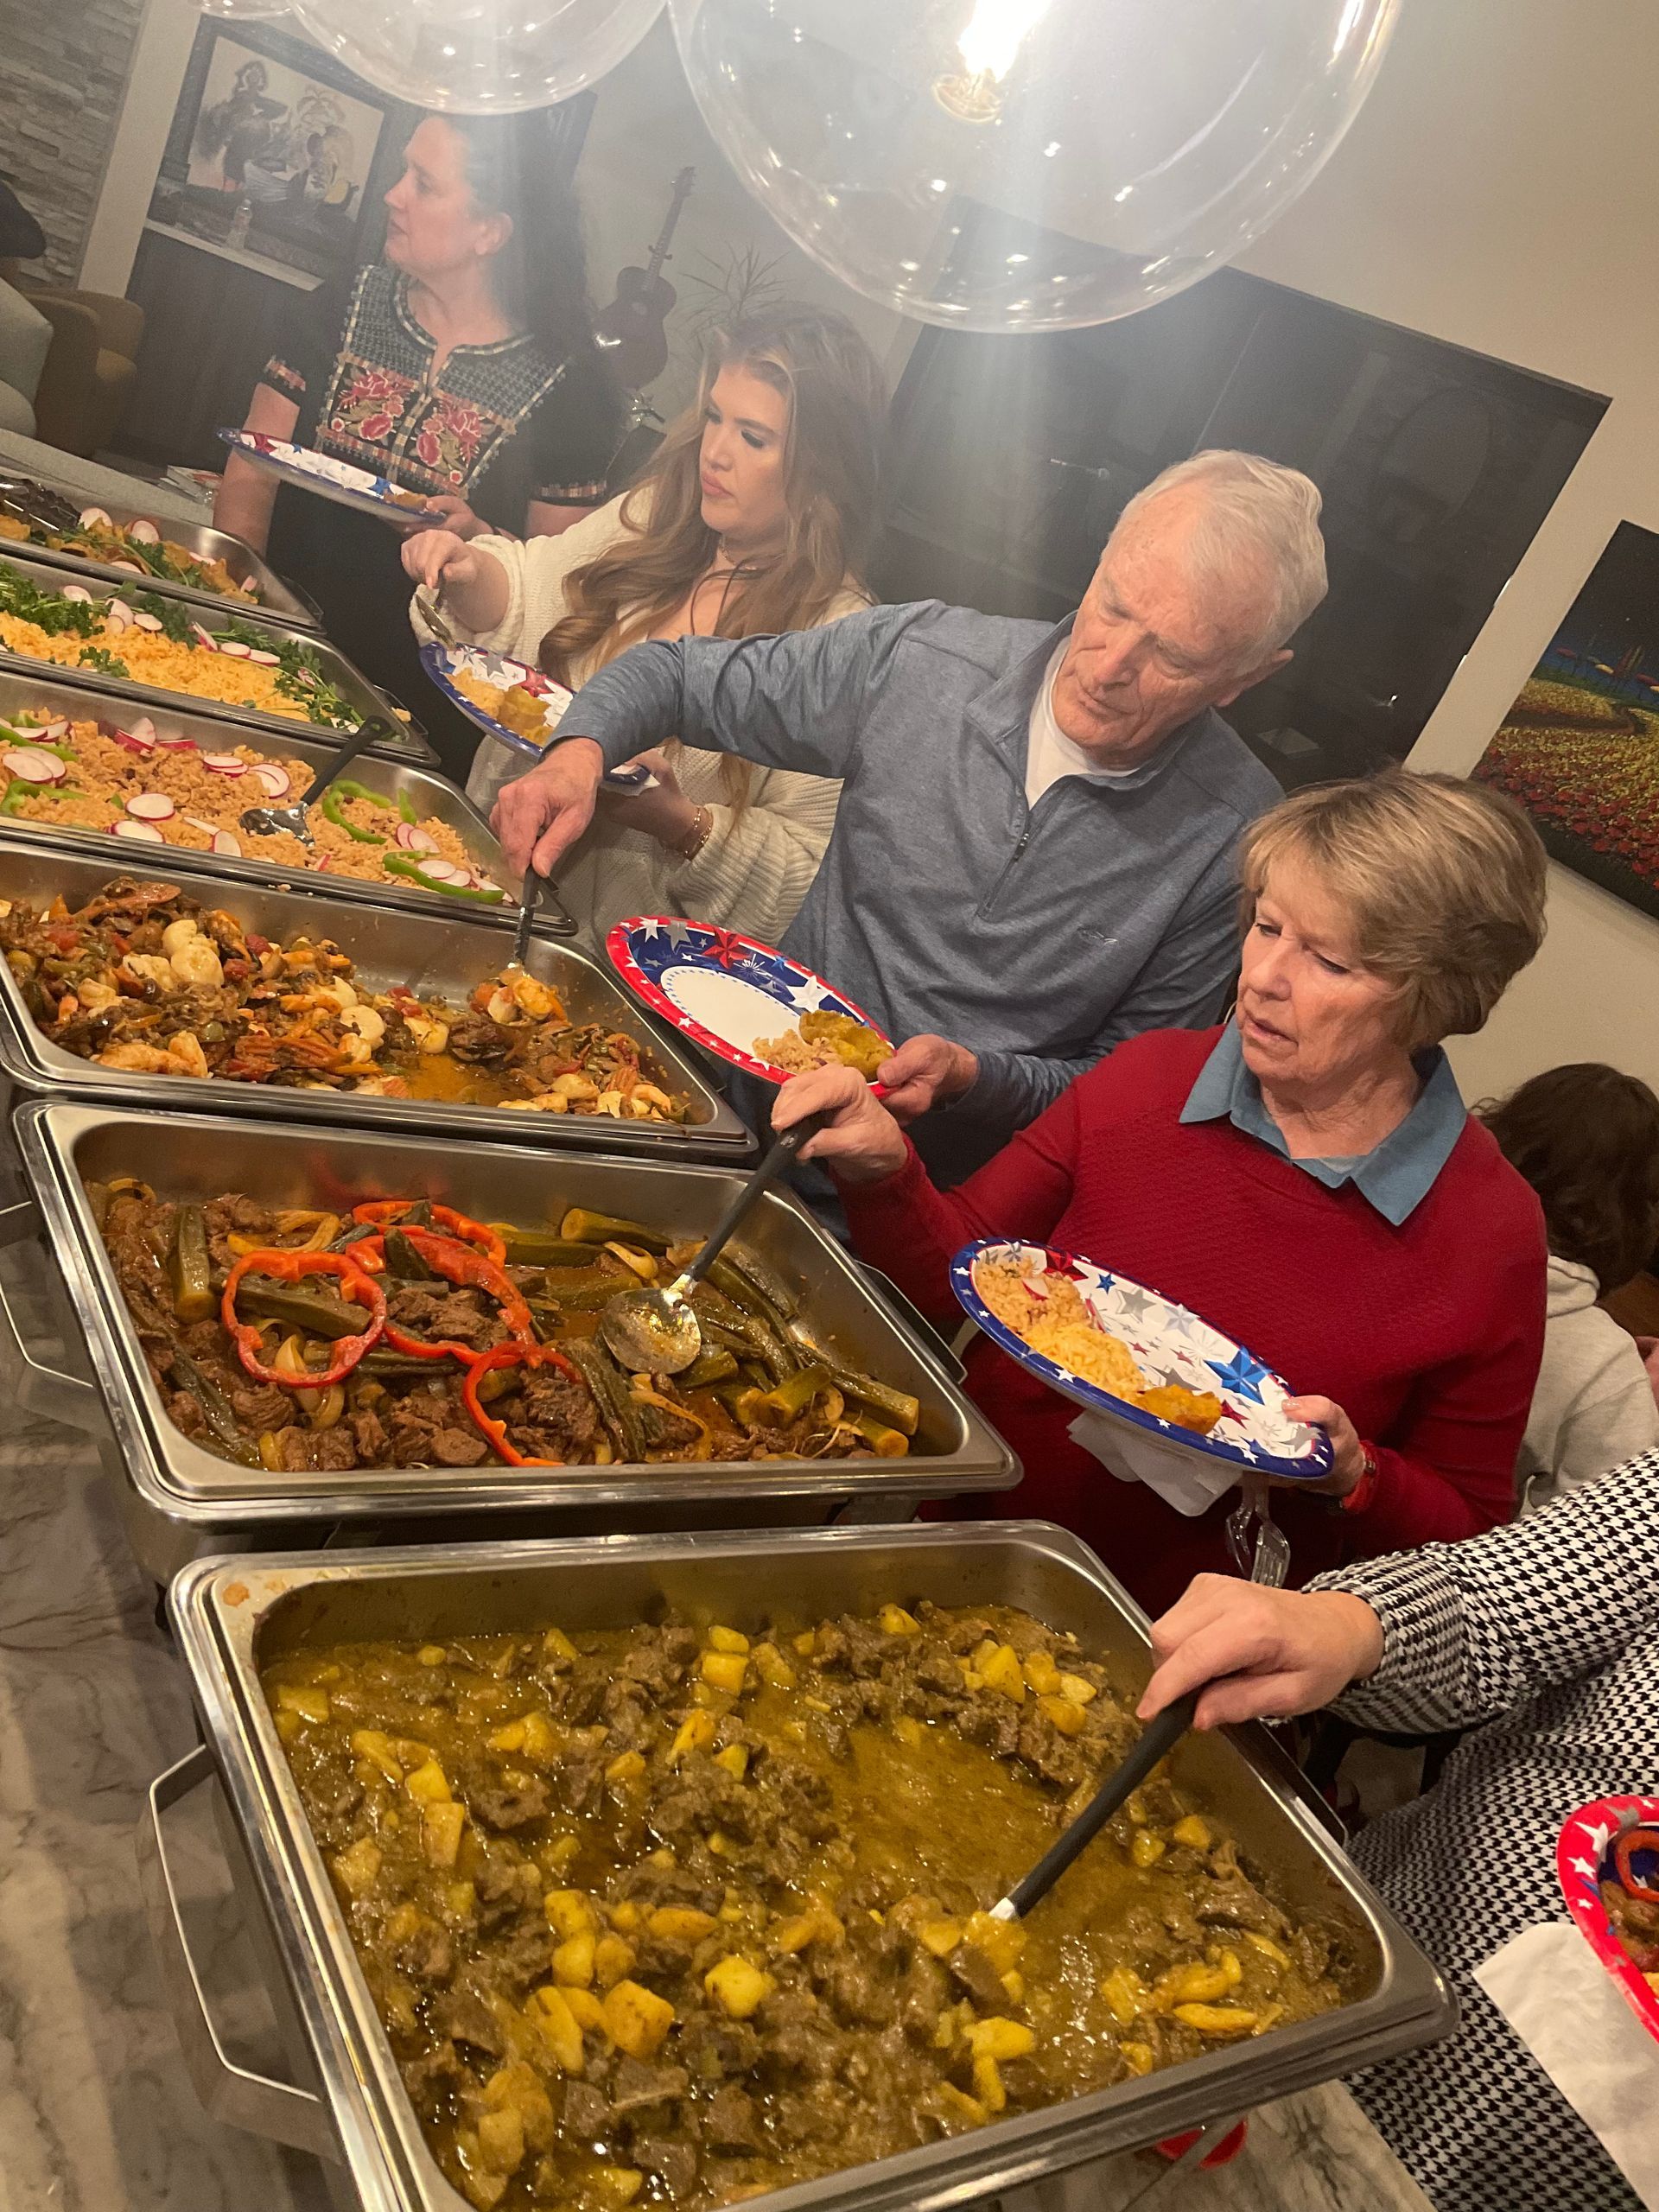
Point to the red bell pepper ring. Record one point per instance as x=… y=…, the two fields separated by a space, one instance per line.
x=459 y=1264
x=385 y=1213
x=291 y=1267
x=512 y=1355
x=1625 y=1850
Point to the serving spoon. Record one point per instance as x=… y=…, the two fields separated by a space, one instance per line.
x=272 y=821
x=656 y=1332
x=1157 y=1740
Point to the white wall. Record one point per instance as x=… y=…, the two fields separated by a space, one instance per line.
x=1499 y=190
x=646 y=128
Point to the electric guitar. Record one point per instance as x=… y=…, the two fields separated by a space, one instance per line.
x=631 y=330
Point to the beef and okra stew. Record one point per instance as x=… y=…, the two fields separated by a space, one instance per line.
x=669 y=1916
x=399 y=1333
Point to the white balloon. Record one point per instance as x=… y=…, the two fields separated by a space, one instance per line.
x=1027 y=164
x=479 y=57
x=243 y=11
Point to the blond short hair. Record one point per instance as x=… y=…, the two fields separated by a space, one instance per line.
x=1444 y=879
x=1258 y=517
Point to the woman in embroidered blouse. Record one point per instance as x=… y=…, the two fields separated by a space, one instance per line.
x=1307 y=1178
x=463 y=367
x=753 y=519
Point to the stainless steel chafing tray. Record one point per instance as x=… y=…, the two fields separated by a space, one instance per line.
x=182 y=1501
x=363 y=698
x=389 y=946
x=391 y=774
x=201 y=540
x=232 y=1616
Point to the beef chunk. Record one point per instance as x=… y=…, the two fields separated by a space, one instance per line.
x=635 y=2086
x=561 y=1413
x=587 y=2111
x=465 y=2015
x=440 y=1315
x=508 y=1806
x=427 y=1955
x=434 y=2073
x=675 y=2164
x=731 y=2124
x=426 y=1433
x=717 y=2049
x=369 y=1435
x=978 y=1977
x=314 y=1451
x=186 y=1414
x=475 y=1037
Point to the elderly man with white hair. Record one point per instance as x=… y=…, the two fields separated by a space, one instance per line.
x=1034 y=856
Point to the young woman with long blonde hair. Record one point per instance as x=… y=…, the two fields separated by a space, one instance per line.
x=753 y=519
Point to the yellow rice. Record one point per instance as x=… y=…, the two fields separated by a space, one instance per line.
x=152 y=657
x=1059 y=1326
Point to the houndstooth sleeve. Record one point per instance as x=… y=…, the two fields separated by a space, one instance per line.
x=1472 y=1629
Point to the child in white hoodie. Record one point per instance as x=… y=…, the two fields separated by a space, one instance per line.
x=1587 y=1138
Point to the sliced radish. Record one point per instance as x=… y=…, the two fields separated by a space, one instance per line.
x=483 y=883
x=196 y=823
x=225 y=843
x=261 y=659
x=151 y=806
x=322 y=867
x=235 y=648
x=275 y=780
x=79 y=592
x=175 y=744
x=55 y=729
x=30 y=766
x=225 y=764
x=137 y=567
x=144 y=532
x=147 y=621
x=441 y=872
x=402 y=837
x=118 y=620
x=144 y=730
x=95 y=519
x=141 y=830
x=205 y=638
x=127 y=742
x=422 y=841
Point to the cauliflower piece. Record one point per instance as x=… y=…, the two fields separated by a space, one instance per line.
x=197 y=963
x=137 y=1059
x=95 y=996
x=337 y=991
x=151 y=968
x=178 y=934
x=502 y=1008
x=357 y=1052
x=369 y=1024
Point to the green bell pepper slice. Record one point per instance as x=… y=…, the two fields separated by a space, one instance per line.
x=400 y=864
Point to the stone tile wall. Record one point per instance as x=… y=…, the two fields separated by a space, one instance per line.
x=63 y=68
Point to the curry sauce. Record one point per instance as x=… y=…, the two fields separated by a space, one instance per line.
x=669 y=1916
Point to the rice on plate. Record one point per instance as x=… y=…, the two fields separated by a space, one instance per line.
x=148 y=788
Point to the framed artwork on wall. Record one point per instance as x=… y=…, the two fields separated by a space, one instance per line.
x=277 y=153
x=1579 y=748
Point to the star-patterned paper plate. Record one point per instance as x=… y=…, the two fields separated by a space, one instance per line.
x=1170 y=1343
x=444 y=663
x=347 y=486
x=1584 y=1860
x=723 y=991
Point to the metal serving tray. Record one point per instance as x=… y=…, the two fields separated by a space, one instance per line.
x=182 y=1501
x=231 y=1616
x=389 y=946
x=391 y=773
x=365 y=700
x=199 y=539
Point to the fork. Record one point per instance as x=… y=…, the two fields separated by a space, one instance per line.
x=1268 y=1560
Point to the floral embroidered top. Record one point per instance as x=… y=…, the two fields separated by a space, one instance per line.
x=498 y=425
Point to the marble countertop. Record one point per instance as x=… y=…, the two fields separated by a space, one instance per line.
x=96 y=2112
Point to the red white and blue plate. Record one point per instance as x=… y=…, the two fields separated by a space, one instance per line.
x=444 y=663
x=348 y=486
x=1170 y=1343
x=723 y=991
x=1584 y=1860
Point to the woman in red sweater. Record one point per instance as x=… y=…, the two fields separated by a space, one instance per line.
x=1304 y=1177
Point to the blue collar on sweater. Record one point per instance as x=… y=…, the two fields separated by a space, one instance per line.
x=1396 y=1176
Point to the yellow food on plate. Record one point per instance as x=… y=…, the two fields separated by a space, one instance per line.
x=514 y=708
x=1049 y=1312
x=824 y=1040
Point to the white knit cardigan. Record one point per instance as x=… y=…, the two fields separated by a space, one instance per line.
x=755 y=867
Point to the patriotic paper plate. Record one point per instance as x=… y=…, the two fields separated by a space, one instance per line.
x=723 y=991
x=444 y=663
x=1584 y=1860
x=1170 y=1343
x=331 y=479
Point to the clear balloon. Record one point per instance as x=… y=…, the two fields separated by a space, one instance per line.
x=479 y=57
x=243 y=11
x=1027 y=164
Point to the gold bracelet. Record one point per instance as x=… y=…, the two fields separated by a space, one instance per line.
x=698 y=835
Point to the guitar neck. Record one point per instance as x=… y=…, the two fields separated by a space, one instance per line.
x=659 y=253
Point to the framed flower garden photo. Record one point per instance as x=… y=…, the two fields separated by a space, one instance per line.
x=1579 y=748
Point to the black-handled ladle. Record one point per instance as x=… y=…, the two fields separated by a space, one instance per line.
x=1157 y=1740
x=656 y=1332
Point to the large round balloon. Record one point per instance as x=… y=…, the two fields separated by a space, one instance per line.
x=1027 y=164
x=479 y=57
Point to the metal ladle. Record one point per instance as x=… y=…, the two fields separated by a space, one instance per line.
x=656 y=1332
x=271 y=820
